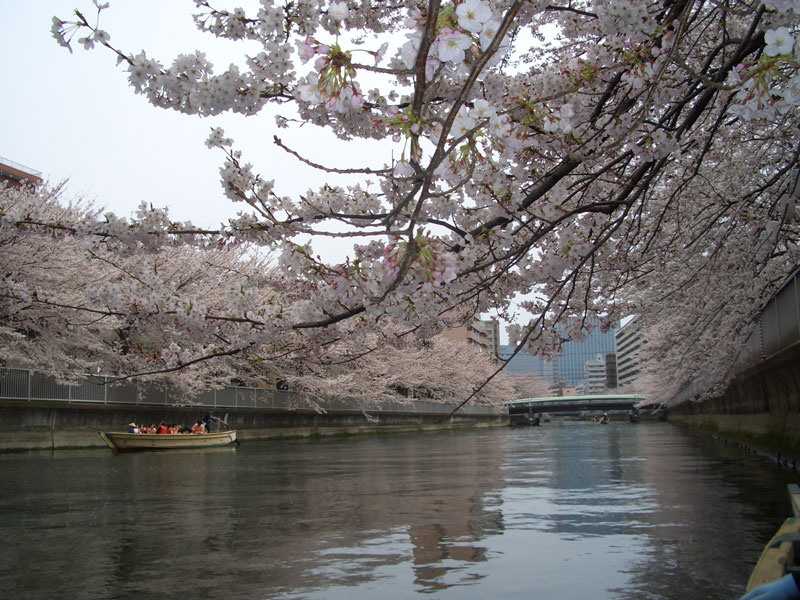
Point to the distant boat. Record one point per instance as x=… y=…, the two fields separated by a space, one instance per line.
x=146 y=442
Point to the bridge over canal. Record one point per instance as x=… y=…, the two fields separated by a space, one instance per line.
x=527 y=410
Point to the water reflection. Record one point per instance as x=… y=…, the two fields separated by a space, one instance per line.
x=397 y=501
x=621 y=511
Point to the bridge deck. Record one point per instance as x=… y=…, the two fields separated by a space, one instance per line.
x=574 y=403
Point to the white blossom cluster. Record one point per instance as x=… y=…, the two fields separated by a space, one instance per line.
x=770 y=87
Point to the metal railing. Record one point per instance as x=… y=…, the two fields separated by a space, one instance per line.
x=777 y=329
x=19 y=167
x=28 y=386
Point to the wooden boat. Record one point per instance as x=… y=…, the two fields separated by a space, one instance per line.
x=144 y=442
x=779 y=555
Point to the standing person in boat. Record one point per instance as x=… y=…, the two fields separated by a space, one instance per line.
x=207 y=419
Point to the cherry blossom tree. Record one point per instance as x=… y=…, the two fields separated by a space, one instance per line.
x=33 y=272
x=591 y=159
x=61 y=311
x=57 y=315
x=529 y=386
x=382 y=368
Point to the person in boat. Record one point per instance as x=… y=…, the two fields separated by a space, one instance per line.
x=604 y=420
x=785 y=588
x=132 y=428
x=207 y=419
x=198 y=427
x=162 y=428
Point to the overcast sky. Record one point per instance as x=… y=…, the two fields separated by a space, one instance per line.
x=73 y=116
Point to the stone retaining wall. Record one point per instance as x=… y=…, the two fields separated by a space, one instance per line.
x=49 y=425
x=761 y=407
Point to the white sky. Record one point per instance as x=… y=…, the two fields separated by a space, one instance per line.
x=74 y=116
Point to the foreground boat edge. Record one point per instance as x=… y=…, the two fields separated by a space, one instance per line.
x=779 y=555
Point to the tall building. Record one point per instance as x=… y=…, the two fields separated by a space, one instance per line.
x=594 y=375
x=566 y=370
x=574 y=354
x=629 y=346
x=484 y=334
x=487 y=335
x=524 y=363
x=611 y=371
x=16 y=174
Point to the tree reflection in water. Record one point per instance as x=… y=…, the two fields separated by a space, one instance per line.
x=624 y=511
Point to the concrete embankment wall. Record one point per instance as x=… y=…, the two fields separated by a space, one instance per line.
x=55 y=425
x=760 y=408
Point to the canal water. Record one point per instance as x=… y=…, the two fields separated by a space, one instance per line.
x=559 y=511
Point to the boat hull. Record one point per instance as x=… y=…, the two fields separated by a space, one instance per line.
x=150 y=442
x=780 y=556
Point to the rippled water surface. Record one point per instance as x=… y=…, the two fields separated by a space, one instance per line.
x=559 y=511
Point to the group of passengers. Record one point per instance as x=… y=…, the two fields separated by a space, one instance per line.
x=202 y=426
x=162 y=428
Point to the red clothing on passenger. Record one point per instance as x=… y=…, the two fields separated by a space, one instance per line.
x=162 y=429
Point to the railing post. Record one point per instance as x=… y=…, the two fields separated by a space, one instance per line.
x=29 y=385
x=779 y=345
x=796 y=304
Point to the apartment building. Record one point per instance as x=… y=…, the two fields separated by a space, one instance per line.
x=629 y=345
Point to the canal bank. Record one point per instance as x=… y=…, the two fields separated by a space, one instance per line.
x=760 y=408
x=56 y=425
